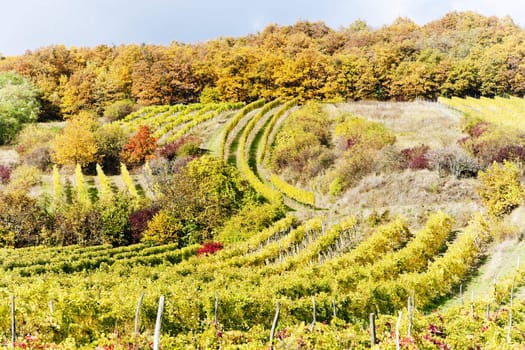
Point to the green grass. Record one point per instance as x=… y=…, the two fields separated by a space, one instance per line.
x=501 y=263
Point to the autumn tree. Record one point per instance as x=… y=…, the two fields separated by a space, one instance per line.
x=461 y=54
x=110 y=139
x=500 y=188
x=139 y=147
x=77 y=144
x=202 y=195
x=22 y=220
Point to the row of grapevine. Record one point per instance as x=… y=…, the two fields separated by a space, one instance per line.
x=107 y=296
x=367 y=296
x=144 y=113
x=164 y=124
x=128 y=181
x=132 y=121
x=200 y=118
x=439 y=279
x=385 y=239
x=164 y=119
x=325 y=242
x=156 y=120
x=87 y=262
x=102 y=188
x=499 y=110
x=105 y=193
x=177 y=119
x=242 y=154
x=263 y=144
x=272 y=251
x=233 y=122
x=413 y=257
x=291 y=191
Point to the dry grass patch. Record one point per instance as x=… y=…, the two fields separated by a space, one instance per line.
x=412 y=194
x=413 y=123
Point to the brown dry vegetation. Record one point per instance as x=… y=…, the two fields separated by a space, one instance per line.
x=412 y=194
x=413 y=123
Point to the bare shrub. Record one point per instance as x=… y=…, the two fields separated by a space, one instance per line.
x=453 y=160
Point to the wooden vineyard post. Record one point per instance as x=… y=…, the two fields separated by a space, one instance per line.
x=51 y=310
x=137 y=313
x=487 y=312
x=313 y=314
x=274 y=325
x=461 y=293
x=510 y=313
x=372 y=329
x=156 y=339
x=472 y=303
x=334 y=308
x=398 y=325
x=216 y=310
x=410 y=317
x=13 y=320
x=51 y=307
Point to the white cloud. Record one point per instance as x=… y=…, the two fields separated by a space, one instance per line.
x=34 y=23
x=500 y=8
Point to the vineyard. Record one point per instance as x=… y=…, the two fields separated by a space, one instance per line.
x=325 y=274
x=237 y=142
x=508 y=111
x=334 y=270
x=296 y=188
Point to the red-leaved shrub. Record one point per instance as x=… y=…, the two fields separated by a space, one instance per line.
x=185 y=146
x=138 y=221
x=209 y=248
x=416 y=157
x=5 y=174
x=478 y=129
x=512 y=153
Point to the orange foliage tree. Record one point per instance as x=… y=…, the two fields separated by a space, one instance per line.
x=140 y=147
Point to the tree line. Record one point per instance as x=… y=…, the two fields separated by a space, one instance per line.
x=461 y=54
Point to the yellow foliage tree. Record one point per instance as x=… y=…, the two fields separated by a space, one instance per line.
x=500 y=188
x=162 y=229
x=76 y=144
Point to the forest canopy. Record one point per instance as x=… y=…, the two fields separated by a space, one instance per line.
x=461 y=54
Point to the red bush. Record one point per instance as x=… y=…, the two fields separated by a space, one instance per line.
x=138 y=221
x=416 y=157
x=188 y=143
x=5 y=174
x=209 y=248
x=478 y=129
x=511 y=152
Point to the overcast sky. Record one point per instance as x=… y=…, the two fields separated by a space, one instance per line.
x=30 y=24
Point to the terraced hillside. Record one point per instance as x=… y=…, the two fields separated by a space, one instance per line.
x=398 y=242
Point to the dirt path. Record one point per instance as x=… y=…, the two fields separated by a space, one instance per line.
x=501 y=263
x=8 y=156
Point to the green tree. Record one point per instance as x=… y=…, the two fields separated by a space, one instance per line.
x=110 y=139
x=19 y=104
x=203 y=194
